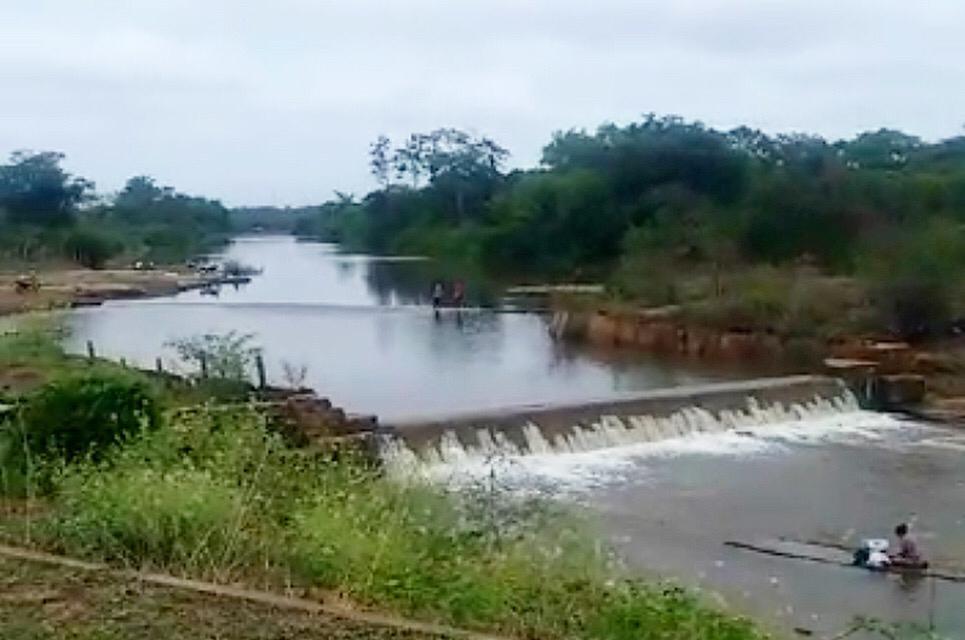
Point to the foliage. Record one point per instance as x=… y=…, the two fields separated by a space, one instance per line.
x=656 y=201
x=83 y=415
x=916 y=277
x=91 y=248
x=214 y=494
x=270 y=219
x=227 y=356
x=45 y=214
x=176 y=519
x=30 y=340
x=35 y=190
x=171 y=226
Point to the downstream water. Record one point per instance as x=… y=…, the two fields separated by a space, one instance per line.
x=362 y=328
x=669 y=506
x=368 y=339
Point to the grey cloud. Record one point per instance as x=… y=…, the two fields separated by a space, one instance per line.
x=256 y=101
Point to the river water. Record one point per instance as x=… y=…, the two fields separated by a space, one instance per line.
x=362 y=328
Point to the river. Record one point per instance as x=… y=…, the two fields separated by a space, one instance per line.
x=362 y=328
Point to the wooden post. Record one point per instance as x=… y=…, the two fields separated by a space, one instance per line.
x=90 y=350
x=260 y=367
x=159 y=365
x=204 y=366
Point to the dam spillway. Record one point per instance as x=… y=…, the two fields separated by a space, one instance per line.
x=622 y=421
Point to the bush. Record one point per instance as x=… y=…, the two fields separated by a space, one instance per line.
x=199 y=498
x=90 y=248
x=755 y=300
x=213 y=494
x=183 y=519
x=487 y=561
x=915 y=277
x=224 y=357
x=79 y=415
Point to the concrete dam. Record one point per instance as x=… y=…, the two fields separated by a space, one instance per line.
x=620 y=421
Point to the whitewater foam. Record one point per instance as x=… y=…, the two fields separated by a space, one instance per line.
x=574 y=471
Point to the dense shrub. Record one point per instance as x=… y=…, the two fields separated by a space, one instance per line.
x=185 y=520
x=90 y=248
x=916 y=277
x=79 y=415
x=227 y=357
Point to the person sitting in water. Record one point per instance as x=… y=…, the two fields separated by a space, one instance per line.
x=908 y=554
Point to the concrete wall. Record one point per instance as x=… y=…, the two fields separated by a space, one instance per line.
x=554 y=420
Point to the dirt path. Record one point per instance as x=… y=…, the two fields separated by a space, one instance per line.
x=41 y=601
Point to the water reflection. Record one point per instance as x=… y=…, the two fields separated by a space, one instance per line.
x=410 y=282
x=363 y=329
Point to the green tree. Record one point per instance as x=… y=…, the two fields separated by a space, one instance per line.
x=91 y=248
x=35 y=190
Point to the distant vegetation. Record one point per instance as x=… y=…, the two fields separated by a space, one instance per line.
x=269 y=219
x=667 y=211
x=47 y=214
x=780 y=229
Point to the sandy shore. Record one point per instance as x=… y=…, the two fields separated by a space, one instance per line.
x=74 y=287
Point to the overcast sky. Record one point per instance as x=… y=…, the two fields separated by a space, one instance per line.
x=275 y=101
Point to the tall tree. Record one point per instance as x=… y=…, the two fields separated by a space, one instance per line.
x=35 y=189
x=380 y=163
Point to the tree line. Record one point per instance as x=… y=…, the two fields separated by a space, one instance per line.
x=48 y=214
x=624 y=203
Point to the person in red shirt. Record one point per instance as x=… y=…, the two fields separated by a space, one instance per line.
x=458 y=293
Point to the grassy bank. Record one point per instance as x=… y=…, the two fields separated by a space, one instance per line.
x=217 y=494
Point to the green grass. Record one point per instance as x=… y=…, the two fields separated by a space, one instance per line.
x=216 y=495
x=32 y=354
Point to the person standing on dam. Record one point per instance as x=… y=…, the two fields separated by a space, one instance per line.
x=438 y=291
x=458 y=294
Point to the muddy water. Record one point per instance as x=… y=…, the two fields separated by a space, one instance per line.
x=670 y=506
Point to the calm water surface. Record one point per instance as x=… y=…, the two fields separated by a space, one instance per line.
x=363 y=330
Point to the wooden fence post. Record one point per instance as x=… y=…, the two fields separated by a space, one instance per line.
x=260 y=368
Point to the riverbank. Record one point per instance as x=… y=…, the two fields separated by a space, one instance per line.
x=65 y=288
x=929 y=377
x=185 y=502
x=216 y=493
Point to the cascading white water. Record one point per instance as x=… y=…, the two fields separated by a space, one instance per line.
x=610 y=431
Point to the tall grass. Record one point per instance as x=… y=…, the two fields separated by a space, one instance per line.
x=215 y=494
